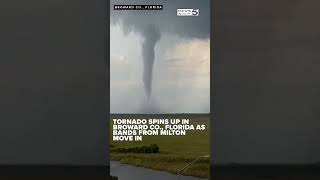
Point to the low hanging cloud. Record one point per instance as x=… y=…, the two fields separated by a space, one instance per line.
x=153 y=27
x=182 y=81
x=166 y=21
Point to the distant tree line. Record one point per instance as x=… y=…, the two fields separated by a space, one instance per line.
x=152 y=148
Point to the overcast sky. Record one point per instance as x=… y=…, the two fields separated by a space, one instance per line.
x=181 y=70
x=181 y=76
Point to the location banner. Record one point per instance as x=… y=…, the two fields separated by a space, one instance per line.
x=159 y=89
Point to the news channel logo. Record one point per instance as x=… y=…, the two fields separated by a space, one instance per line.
x=188 y=12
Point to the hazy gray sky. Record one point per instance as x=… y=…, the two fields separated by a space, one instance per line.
x=181 y=70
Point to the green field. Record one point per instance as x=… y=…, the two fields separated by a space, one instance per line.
x=175 y=151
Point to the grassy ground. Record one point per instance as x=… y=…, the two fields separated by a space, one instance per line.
x=175 y=151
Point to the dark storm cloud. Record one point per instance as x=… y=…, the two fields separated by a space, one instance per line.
x=152 y=24
x=167 y=20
